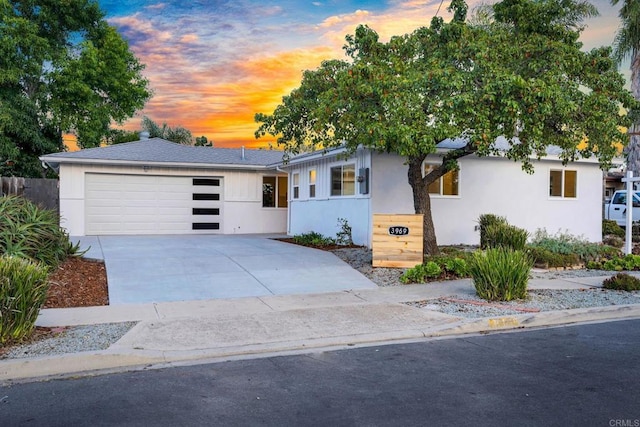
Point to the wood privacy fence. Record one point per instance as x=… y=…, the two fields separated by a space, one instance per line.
x=43 y=192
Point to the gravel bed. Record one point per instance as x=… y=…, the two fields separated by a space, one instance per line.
x=73 y=340
x=538 y=300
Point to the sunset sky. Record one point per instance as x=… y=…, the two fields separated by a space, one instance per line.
x=213 y=64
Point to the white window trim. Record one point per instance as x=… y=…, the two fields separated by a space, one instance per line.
x=562 y=196
x=440 y=195
x=314 y=183
x=295 y=186
x=355 y=184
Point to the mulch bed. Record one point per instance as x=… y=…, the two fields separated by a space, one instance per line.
x=78 y=283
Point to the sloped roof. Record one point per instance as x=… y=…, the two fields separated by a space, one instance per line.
x=160 y=151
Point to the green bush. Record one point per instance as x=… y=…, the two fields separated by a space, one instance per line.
x=30 y=232
x=548 y=259
x=431 y=269
x=500 y=274
x=505 y=236
x=610 y=227
x=614 y=241
x=564 y=243
x=622 y=282
x=313 y=239
x=456 y=266
x=485 y=221
x=629 y=262
x=420 y=272
x=23 y=290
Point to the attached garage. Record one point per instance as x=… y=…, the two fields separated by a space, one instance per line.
x=155 y=186
x=143 y=204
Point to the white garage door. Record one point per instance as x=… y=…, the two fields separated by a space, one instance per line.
x=149 y=204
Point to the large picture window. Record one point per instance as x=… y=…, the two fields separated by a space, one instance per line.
x=274 y=191
x=563 y=183
x=343 y=180
x=446 y=185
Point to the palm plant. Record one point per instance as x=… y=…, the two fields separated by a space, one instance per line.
x=627 y=45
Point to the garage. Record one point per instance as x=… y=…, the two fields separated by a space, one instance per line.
x=155 y=187
x=143 y=204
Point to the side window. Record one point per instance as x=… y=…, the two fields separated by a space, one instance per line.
x=296 y=185
x=447 y=185
x=620 y=199
x=312 y=183
x=563 y=183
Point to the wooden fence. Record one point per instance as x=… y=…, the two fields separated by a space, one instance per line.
x=43 y=192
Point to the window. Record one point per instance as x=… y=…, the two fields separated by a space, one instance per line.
x=446 y=185
x=296 y=185
x=563 y=183
x=206 y=181
x=274 y=191
x=343 y=180
x=312 y=183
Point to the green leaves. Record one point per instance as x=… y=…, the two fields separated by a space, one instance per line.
x=62 y=69
x=522 y=76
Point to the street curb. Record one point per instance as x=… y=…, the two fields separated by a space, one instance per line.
x=117 y=359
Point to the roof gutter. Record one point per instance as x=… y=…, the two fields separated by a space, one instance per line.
x=55 y=163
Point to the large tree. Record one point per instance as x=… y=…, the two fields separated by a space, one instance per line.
x=519 y=73
x=627 y=45
x=63 y=69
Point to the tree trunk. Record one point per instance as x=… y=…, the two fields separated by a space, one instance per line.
x=422 y=205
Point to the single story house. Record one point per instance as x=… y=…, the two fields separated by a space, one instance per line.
x=326 y=186
x=153 y=186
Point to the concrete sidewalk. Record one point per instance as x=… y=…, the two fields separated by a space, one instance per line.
x=214 y=330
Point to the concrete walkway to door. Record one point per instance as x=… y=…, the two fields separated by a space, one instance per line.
x=145 y=269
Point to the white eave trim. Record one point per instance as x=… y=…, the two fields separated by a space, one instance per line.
x=58 y=161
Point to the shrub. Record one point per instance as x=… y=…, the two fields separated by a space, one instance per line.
x=343 y=237
x=23 y=290
x=413 y=275
x=313 y=239
x=30 y=232
x=614 y=241
x=431 y=269
x=548 y=259
x=622 y=282
x=565 y=243
x=610 y=227
x=505 y=236
x=420 y=272
x=485 y=221
x=457 y=266
x=628 y=262
x=500 y=274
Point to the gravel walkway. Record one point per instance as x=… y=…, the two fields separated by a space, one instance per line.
x=100 y=337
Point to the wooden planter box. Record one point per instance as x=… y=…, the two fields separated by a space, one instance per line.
x=397 y=240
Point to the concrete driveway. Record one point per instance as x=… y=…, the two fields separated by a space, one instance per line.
x=145 y=269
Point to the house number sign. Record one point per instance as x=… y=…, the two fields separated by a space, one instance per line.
x=397 y=230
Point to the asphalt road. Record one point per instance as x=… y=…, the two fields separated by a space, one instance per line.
x=587 y=375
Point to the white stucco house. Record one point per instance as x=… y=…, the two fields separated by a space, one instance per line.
x=153 y=186
x=326 y=186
